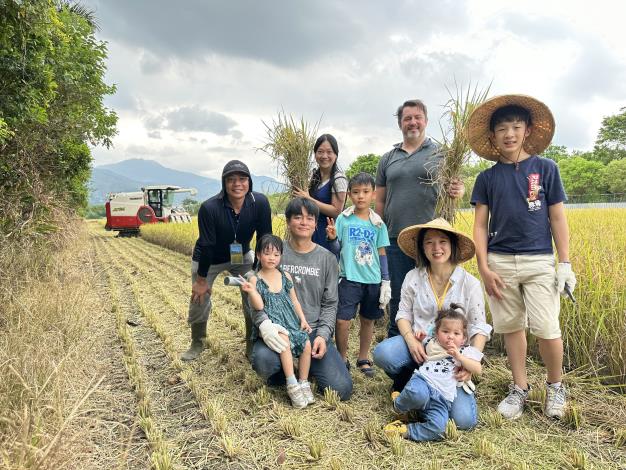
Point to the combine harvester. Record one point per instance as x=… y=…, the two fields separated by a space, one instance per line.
x=126 y=212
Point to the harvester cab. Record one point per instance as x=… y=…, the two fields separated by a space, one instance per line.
x=126 y=212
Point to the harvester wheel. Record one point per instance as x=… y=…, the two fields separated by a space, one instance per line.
x=145 y=214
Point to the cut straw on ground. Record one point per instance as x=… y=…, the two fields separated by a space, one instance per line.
x=258 y=428
x=150 y=410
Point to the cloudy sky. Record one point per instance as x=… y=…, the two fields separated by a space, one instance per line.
x=196 y=79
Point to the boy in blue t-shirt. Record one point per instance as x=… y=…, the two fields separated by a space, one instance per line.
x=518 y=212
x=360 y=236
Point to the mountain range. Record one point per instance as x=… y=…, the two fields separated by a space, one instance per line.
x=133 y=174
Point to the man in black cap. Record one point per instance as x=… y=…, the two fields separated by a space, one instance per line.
x=226 y=223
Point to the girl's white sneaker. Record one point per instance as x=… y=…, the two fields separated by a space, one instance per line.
x=297 y=397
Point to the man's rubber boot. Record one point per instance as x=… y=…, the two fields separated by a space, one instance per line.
x=198 y=334
x=249 y=343
x=245 y=306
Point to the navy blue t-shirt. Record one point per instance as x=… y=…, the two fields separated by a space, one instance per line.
x=518 y=203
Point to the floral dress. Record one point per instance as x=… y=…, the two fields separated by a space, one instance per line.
x=280 y=310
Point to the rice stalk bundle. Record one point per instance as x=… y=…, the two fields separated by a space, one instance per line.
x=290 y=144
x=455 y=147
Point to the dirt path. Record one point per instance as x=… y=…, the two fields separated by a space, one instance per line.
x=215 y=413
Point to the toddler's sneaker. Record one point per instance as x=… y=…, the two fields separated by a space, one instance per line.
x=403 y=417
x=555 y=401
x=395 y=428
x=513 y=405
x=307 y=392
x=297 y=397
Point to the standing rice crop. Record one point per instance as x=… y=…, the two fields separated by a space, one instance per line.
x=177 y=237
x=455 y=148
x=182 y=237
x=594 y=328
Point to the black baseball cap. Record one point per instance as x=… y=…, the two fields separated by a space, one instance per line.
x=235 y=166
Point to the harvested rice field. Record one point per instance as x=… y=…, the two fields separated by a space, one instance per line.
x=215 y=413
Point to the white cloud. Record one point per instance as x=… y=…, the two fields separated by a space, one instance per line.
x=194 y=84
x=191 y=118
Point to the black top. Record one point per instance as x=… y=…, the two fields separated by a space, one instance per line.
x=519 y=201
x=217 y=223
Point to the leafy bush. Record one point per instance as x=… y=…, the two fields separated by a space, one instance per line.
x=51 y=108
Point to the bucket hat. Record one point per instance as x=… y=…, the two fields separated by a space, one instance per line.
x=479 y=134
x=407 y=240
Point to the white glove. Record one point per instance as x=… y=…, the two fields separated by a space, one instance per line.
x=269 y=333
x=248 y=258
x=565 y=275
x=468 y=386
x=385 y=294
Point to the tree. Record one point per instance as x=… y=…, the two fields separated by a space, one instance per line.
x=555 y=152
x=615 y=176
x=582 y=177
x=612 y=133
x=611 y=141
x=473 y=169
x=51 y=108
x=469 y=173
x=604 y=154
x=191 y=205
x=367 y=163
x=95 y=212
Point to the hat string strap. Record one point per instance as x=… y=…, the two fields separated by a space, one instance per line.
x=516 y=161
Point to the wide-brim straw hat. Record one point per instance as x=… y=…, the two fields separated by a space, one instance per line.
x=478 y=133
x=407 y=240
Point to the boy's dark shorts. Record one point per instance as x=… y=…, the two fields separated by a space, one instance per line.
x=353 y=294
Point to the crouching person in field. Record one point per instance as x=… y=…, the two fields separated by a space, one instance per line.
x=314 y=271
x=433 y=386
x=226 y=224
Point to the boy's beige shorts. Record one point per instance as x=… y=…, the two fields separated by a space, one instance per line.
x=530 y=299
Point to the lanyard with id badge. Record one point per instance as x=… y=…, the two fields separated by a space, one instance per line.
x=236 y=249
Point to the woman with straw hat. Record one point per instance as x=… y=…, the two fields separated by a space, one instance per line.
x=436 y=282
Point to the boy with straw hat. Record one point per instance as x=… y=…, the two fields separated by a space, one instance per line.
x=518 y=212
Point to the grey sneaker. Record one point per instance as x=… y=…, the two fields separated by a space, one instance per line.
x=307 y=392
x=297 y=397
x=555 y=401
x=513 y=405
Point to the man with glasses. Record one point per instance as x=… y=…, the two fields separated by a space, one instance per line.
x=406 y=193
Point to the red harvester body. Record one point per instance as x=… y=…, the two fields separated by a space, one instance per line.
x=126 y=212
